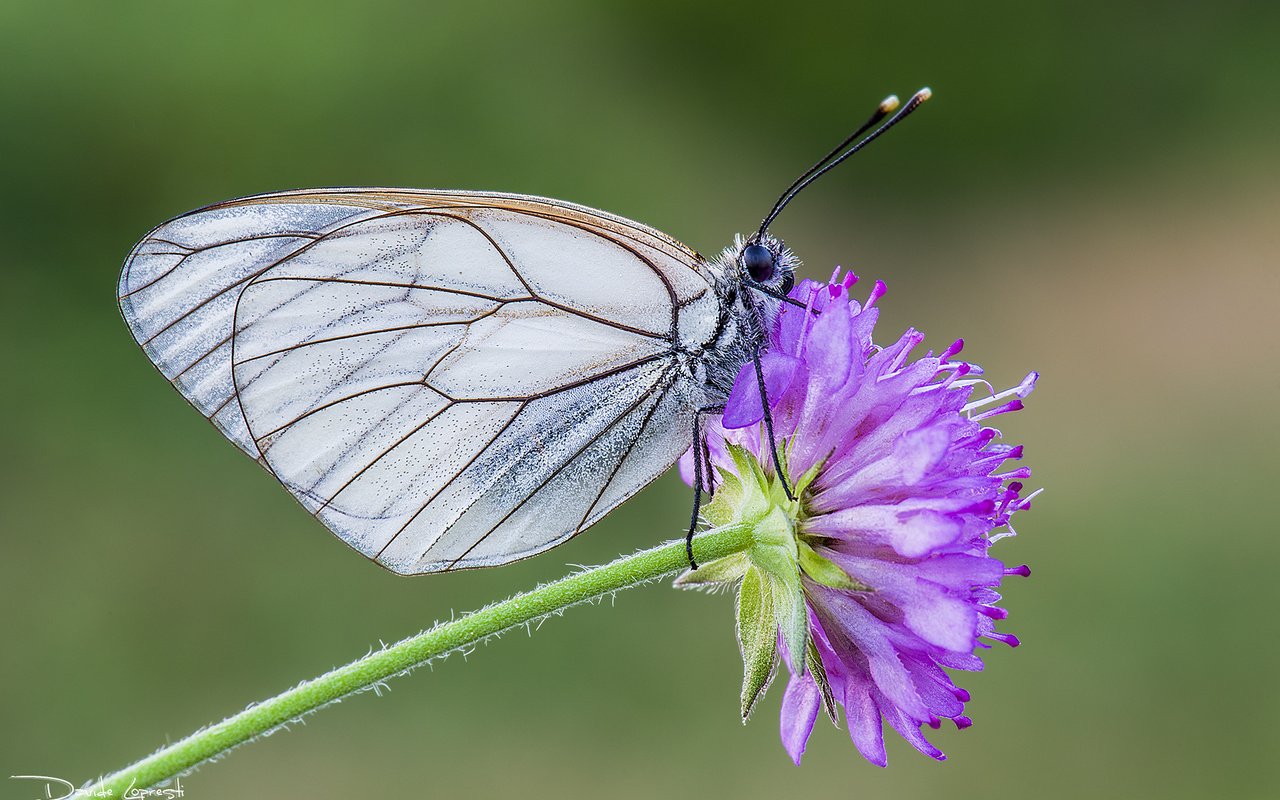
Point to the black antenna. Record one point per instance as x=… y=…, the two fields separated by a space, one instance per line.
x=887 y=106
x=836 y=156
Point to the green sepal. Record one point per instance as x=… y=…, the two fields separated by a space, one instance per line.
x=727 y=570
x=756 y=500
x=806 y=479
x=726 y=503
x=823 y=570
x=774 y=549
x=813 y=661
x=771 y=601
x=764 y=506
x=775 y=554
x=793 y=619
x=757 y=637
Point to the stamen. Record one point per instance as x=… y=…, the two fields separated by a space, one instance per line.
x=1007 y=638
x=910 y=340
x=809 y=317
x=1011 y=406
x=957 y=369
x=1009 y=495
x=998 y=457
x=1025 y=503
x=1003 y=534
x=1021 y=390
x=977 y=382
x=955 y=347
x=877 y=292
x=1028 y=384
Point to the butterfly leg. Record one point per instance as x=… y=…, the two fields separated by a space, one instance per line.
x=755 y=316
x=768 y=426
x=777 y=295
x=701 y=457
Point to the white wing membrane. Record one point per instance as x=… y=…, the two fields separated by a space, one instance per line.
x=446 y=380
x=179 y=287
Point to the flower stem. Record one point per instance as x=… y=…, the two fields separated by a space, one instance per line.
x=365 y=673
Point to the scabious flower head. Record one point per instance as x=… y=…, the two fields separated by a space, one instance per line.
x=876 y=577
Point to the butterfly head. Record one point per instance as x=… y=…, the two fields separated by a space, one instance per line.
x=764 y=260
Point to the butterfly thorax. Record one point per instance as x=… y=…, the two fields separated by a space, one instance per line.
x=747 y=314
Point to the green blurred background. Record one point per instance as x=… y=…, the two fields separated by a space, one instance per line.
x=1093 y=193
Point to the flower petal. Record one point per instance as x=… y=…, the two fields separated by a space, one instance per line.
x=909 y=729
x=800 y=705
x=910 y=532
x=863 y=718
x=920 y=451
x=743 y=408
x=864 y=639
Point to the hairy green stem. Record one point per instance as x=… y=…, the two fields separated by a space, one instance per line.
x=365 y=673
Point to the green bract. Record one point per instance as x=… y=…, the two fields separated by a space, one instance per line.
x=770 y=602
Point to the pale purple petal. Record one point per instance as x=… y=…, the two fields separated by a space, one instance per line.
x=857 y=634
x=909 y=729
x=800 y=704
x=862 y=715
x=744 y=406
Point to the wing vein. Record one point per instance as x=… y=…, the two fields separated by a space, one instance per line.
x=191 y=251
x=631 y=447
x=506 y=426
x=375 y=332
x=431 y=418
x=569 y=460
x=562 y=388
x=312 y=411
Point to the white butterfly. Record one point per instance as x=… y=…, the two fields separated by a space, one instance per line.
x=449 y=379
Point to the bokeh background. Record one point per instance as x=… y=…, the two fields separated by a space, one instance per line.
x=1092 y=193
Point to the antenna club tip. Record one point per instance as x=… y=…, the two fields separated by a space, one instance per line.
x=924 y=94
x=890 y=104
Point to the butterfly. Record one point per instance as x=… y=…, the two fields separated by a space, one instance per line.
x=456 y=379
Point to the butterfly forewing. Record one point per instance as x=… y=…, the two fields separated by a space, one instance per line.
x=447 y=380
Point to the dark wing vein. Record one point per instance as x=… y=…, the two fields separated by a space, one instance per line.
x=406 y=437
x=666 y=377
x=595 y=376
x=358 y=334
x=332 y=403
x=515 y=269
x=191 y=251
x=630 y=448
x=390 y=285
x=507 y=468
x=506 y=426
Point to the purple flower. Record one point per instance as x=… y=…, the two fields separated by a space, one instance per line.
x=901 y=494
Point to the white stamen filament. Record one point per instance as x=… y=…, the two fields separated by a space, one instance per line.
x=976 y=404
x=975 y=382
x=1002 y=535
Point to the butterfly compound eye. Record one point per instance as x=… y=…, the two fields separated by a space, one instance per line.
x=759 y=262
